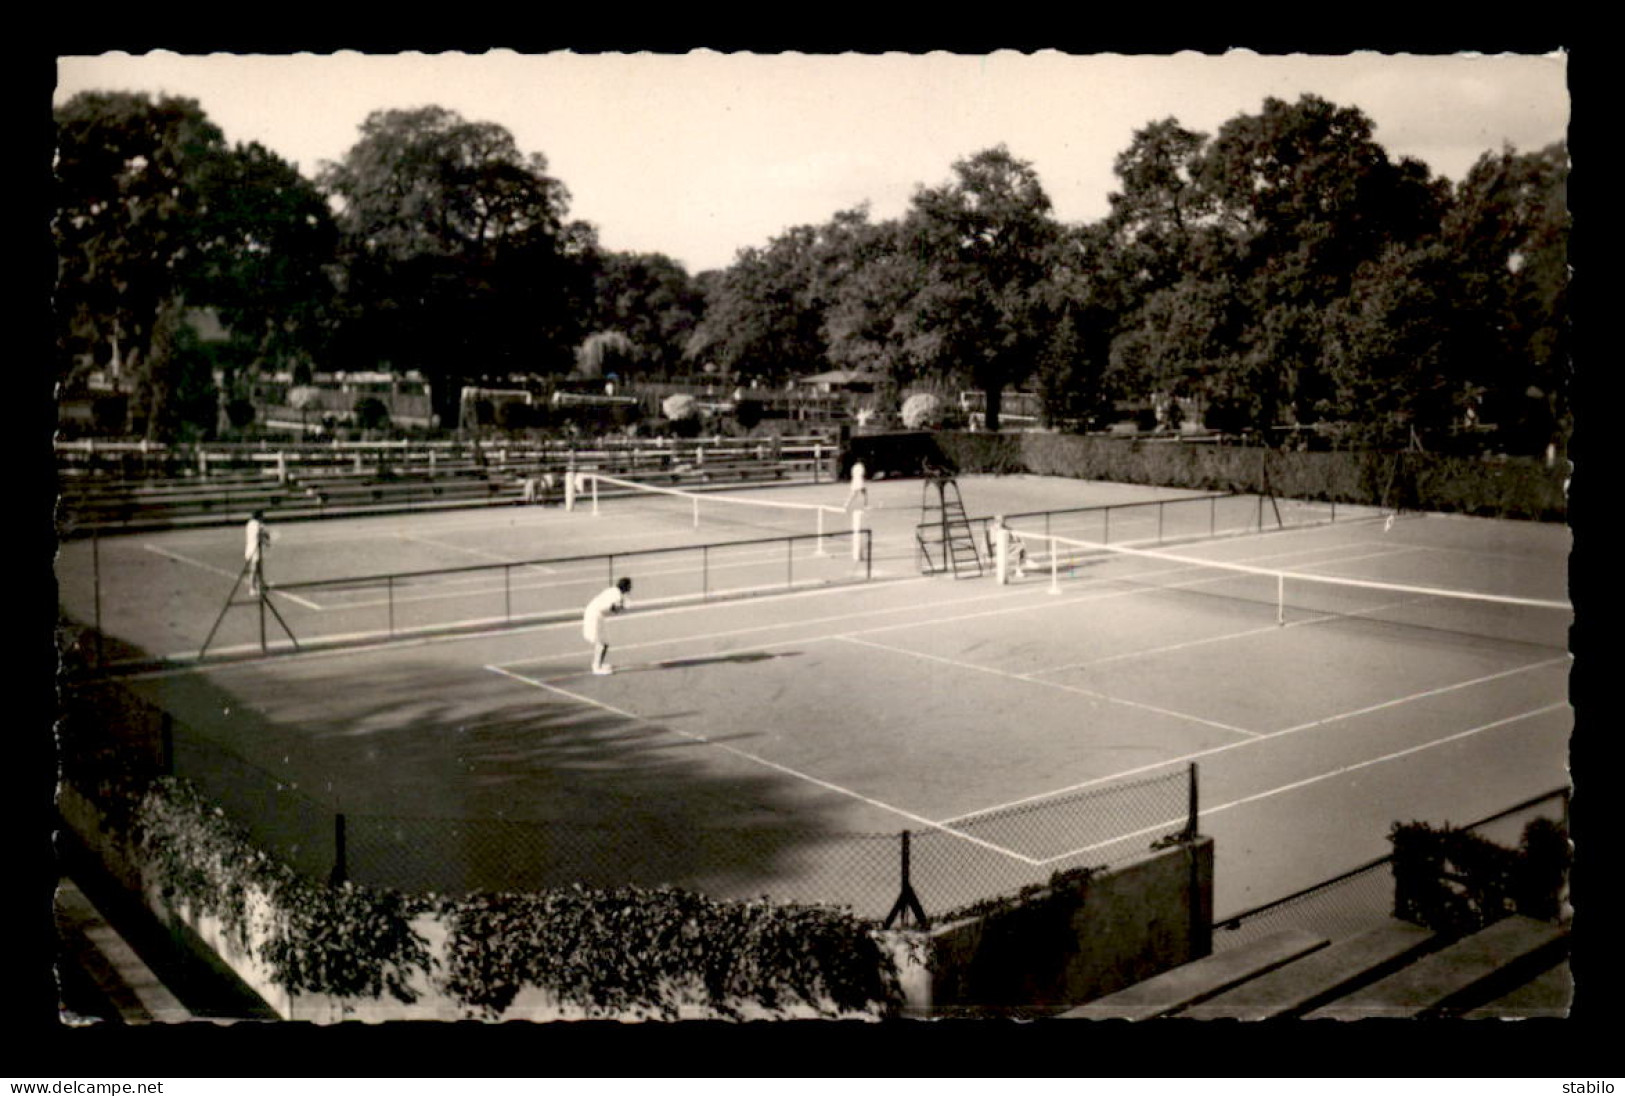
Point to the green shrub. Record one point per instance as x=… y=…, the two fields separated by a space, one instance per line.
x=1455 y=881
x=748 y=413
x=627 y=950
x=635 y=950
x=922 y=411
x=1505 y=488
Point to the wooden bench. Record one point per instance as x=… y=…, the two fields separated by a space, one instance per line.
x=340 y=495
x=1331 y=972
x=1199 y=979
x=713 y=472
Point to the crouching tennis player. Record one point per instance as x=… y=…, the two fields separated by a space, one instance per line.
x=593 y=622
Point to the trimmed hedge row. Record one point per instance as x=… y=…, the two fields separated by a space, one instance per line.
x=1504 y=488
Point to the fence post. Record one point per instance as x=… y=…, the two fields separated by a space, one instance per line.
x=341 y=868
x=1192 y=804
x=907 y=904
x=166 y=744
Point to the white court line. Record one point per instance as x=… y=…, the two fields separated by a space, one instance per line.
x=1197 y=755
x=1051 y=685
x=178 y=558
x=482 y=554
x=209 y=567
x=774 y=765
x=1307 y=781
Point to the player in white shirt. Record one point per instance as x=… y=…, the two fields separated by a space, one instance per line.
x=612 y=599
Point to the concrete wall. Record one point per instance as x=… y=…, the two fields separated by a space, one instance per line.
x=1064 y=947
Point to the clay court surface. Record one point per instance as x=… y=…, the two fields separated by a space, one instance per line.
x=778 y=743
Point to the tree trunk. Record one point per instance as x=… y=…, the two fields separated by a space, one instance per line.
x=995 y=401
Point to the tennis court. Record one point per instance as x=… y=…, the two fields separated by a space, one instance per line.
x=784 y=706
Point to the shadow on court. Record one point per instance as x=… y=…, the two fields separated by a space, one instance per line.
x=446 y=785
x=685 y=663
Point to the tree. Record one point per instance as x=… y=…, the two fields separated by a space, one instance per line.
x=763 y=317
x=870 y=274
x=604 y=353
x=1222 y=258
x=652 y=301
x=265 y=252
x=457 y=259
x=1508 y=231
x=984 y=238
x=126 y=229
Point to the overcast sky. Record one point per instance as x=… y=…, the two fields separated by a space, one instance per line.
x=697 y=155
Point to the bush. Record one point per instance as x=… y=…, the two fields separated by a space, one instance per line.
x=923 y=411
x=748 y=413
x=680 y=407
x=370 y=413
x=1456 y=881
x=240 y=412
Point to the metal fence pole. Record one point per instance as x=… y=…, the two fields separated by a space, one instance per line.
x=1192 y=806
x=907 y=904
x=341 y=867
x=166 y=744
x=96 y=583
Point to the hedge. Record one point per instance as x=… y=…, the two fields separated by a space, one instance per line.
x=1456 y=881
x=1503 y=488
x=612 y=953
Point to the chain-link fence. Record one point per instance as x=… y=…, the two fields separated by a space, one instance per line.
x=119 y=741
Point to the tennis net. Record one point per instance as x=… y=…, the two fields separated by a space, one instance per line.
x=1292 y=596
x=702 y=509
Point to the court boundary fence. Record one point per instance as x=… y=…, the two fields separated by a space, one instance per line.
x=863 y=552
x=116 y=743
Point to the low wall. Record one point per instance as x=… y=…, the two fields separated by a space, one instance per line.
x=1065 y=946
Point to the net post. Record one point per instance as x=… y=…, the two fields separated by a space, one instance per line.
x=1280 y=599
x=594 y=480
x=819 y=549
